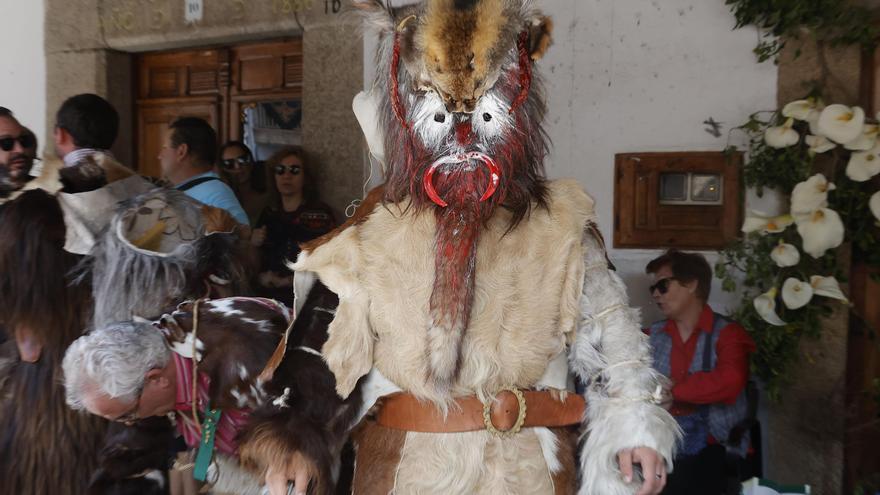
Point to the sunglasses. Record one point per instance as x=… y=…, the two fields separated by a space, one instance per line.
x=233 y=163
x=662 y=285
x=293 y=169
x=25 y=140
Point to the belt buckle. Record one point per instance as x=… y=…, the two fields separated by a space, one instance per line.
x=520 y=420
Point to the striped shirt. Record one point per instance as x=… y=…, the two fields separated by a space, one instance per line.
x=231 y=421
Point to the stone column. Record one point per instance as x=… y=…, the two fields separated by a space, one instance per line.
x=805 y=437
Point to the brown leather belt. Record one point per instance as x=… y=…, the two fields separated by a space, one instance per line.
x=511 y=411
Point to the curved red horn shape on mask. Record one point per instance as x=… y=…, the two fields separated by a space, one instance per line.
x=494 y=175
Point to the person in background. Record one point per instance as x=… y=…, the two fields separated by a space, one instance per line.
x=84 y=125
x=294 y=215
x=245 y=176
x=706 y=357
x=187 y=161
x=17 y=151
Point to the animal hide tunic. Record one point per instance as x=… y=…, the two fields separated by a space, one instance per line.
x=528 y=309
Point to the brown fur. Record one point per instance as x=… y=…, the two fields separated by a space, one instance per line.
x=540 y=37
x=462 y=46
x=373 y=199
x=378 y=453
x=565 y=481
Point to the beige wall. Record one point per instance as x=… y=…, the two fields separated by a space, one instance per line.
x=88 y=50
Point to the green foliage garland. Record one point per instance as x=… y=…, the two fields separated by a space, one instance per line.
x=835 y=21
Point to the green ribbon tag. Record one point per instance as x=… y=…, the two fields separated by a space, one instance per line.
x=206 y=444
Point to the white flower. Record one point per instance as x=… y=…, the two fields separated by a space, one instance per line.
x=756 y=221
x=826 y=286
x=765 y=305
x=821 y=230
x=864 y=164
x=866 y=140
x=819 y=144
x=782 y=136
x=801 y=109
x=874 y=205
x=785 y=255
x=810 y=195
x=796 y=294
x=841 y=123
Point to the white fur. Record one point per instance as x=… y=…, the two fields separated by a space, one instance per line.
x=432 y=133
x=156 y=477
x=556 y=374
x=611 y=353
x=302 y=285
x=224 y=307
x=227 y=476
x=550 y=448
x=374 y=387
x=500 y=120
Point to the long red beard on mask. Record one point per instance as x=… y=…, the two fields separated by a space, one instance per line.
x=519 y=158
x=458 y=230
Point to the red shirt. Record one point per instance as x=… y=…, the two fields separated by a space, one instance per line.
x=725 y=382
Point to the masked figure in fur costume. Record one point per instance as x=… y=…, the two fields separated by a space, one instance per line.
x=470 y=287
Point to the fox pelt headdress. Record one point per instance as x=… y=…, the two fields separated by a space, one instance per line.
x=461 y=111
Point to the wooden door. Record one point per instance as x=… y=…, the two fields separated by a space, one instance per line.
x=215 y=84
x=154 y=118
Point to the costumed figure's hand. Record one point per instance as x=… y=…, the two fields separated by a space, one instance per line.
x=653 y=468
x=258 y=236
x=299 y=470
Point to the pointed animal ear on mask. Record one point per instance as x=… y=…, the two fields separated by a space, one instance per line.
x=540 y=36
x=376 y=14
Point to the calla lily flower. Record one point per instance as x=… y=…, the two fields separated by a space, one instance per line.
x=765 y=305
x=801 y=109
x=864 y=164
x=821 y=230
x=819 y=144
x=785 y=255
x=866 y=140
x=782 y=136
x=766 y=225
x=841 y=123
x=874 y=205
x=810 y=195
x=826 y=287
x=795 y=293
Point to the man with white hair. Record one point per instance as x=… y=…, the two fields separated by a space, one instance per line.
x=236 y=351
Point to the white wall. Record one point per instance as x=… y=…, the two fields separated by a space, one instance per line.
x=642 y=75
x=23 y=64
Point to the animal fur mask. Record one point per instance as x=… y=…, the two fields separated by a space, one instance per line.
x=461 y=110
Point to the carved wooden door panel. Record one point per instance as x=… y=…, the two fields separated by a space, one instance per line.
x=215 y=84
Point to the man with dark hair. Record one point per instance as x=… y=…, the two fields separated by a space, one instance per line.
x=17 y=150
x=84 y=125
x=706 y=356
x=187 y=161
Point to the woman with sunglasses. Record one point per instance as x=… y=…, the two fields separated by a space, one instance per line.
x=294 y=215
x=245 y=176
x=706 y=357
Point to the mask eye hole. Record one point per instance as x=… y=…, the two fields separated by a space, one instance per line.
x=487 y=117
x=439 y=118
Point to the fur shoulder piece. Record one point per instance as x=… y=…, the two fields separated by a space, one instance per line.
x=235 y=338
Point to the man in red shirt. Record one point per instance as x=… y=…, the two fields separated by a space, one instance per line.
x=706 y=357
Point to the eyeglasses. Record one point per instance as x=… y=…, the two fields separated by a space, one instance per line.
x=25 y=140
x=662 y=285
x=294 y=169
x=132 y=415
x=233 y=163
